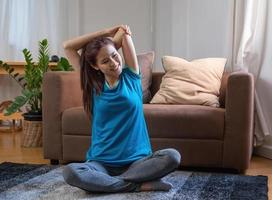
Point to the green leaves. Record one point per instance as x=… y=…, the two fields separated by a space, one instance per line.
x=17 y=104
x=28 y=57
x=10 y=70
x=5 y=66
x=43 y=56
x=26 y=93
x=29 y=67
x=63 y=65
x=31 y=81
x=34 y=73
x=26 y=97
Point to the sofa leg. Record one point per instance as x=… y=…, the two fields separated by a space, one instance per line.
x=54 y=162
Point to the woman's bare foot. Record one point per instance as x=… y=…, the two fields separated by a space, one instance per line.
x=156 y=185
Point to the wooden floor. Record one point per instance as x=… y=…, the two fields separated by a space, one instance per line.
x=11 y=151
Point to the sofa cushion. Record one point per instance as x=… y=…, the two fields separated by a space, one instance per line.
x=192 y=83
x=145 y=61
x=75 y=122
x=184 y=121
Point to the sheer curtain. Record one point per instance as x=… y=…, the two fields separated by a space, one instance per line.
x=24 y=23
x=191 y=29
x=252 y=42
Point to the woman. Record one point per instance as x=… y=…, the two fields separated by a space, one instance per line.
x=120 y=157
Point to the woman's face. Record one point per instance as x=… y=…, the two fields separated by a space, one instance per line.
x=109 y=61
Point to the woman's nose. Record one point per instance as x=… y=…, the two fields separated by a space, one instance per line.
x=113 y=62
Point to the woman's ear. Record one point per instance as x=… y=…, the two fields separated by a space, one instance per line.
x=95 y=67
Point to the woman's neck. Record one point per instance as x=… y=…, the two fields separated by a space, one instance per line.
x=112 y=81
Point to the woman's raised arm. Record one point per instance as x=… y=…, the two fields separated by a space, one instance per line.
x=128 y=49
x=72 y=46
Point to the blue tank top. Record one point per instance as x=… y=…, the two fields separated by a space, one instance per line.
x=119 y=132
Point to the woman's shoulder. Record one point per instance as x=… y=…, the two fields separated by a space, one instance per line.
x=130 y=71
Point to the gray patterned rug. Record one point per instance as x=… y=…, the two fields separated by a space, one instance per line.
x=25 y=181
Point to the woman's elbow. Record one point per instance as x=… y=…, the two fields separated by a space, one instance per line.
x=65 y=45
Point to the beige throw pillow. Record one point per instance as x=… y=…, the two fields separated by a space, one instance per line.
x=194 y=83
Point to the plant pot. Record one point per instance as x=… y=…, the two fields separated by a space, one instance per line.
x=32 y=130
x=33 y=116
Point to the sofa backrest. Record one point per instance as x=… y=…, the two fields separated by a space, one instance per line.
x=157 y=78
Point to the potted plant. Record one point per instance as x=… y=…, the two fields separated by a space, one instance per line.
x=31 y=84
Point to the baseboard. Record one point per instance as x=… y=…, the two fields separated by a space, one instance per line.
x=264 y=150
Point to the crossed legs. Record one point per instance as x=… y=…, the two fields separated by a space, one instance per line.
x=140 y=175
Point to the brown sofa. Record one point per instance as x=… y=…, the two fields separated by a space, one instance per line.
x=205 y=136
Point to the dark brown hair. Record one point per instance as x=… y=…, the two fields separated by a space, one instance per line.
x=90 y=78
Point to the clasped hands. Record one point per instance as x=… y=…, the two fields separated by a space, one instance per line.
x=122 y=28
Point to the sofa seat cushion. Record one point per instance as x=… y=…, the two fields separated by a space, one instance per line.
x=184 y=121
x=75 y=122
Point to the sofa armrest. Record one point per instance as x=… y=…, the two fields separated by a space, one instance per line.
x=61 y=90
x=239 y=118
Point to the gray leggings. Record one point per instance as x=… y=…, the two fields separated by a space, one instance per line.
x=95 y=177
